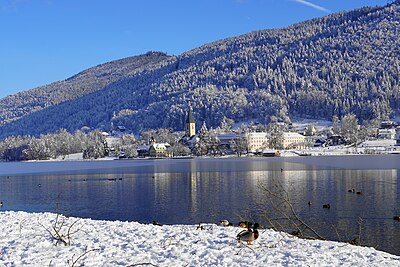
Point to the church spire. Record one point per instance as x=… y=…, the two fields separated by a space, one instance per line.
x=189 y=118
x=190 y=124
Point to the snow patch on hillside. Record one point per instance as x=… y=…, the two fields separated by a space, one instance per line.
x=320 y=125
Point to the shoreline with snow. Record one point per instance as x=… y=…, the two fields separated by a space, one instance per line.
x=25 y=240
x=374 y=147
x=356 y=161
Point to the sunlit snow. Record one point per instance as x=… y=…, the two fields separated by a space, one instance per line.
x=25 y=240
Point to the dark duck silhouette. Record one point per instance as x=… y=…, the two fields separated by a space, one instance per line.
x=200 y=227
x=248 y=235
x=156 y=223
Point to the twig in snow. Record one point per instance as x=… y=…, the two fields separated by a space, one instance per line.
x=61 y=231
x=244 y=246
x=72 y=262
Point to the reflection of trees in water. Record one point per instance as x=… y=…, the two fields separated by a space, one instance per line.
x=209 y=190
x=292 y=201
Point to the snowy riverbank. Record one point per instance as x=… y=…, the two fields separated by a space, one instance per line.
x=24 y=241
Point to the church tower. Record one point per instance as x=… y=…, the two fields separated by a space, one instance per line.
x=190 y=124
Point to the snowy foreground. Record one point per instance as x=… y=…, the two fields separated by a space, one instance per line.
x=26 y=240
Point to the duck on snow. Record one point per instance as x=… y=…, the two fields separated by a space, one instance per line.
x=248 y=235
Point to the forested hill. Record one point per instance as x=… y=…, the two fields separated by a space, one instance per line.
x=342 y=63
x=15 y=106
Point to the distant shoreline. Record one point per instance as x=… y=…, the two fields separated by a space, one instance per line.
x=344 y=161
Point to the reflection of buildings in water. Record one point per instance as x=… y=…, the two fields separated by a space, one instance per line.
x=193 y=186
x=263 y=184
x=181 y=187
x=290 y=181
x=257 y=176
x=266 y=164
x=162 y=185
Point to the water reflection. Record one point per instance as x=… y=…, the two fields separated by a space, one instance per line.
x=208 y=190
x=367 y=215
x=193 y=187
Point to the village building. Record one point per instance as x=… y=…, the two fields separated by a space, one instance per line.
x=315 y=141
x=258 y=142
x=388 y=125
x=143 y=151
x=226 y=140
x=386 y=133
x=335 y=140
x=160 y=150
x=293 y=140
x=154 y=150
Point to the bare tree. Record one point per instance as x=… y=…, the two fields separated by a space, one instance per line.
x=277 y=209
x=240 y=144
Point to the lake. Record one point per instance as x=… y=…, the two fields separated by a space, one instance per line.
x=191 y=191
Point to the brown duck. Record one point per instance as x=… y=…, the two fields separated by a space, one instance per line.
x=248 y=235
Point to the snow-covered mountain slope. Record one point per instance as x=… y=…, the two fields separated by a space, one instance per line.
x=345 y=62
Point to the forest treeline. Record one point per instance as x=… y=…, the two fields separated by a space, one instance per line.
x=348 y=62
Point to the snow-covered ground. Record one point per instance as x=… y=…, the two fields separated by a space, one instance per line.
x=75 y=156
x=25 y=240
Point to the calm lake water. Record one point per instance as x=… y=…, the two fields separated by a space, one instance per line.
x=189 y=191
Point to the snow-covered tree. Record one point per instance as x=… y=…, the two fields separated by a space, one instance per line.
x=349 y=128
x=275 y=136
x=335 y=125
x=95 y=147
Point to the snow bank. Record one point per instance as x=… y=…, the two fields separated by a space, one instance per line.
x=24 y=241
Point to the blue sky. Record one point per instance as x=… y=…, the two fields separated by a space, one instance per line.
x=43 y=41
